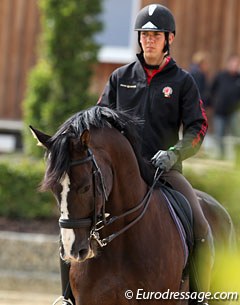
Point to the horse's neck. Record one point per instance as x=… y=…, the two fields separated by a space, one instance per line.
x=129 y=188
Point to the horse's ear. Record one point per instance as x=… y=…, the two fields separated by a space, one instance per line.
x=85 y=138
x=42 y=138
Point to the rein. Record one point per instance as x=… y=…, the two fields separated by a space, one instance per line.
x=97 y=226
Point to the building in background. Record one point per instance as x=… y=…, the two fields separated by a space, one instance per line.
x=213 y=26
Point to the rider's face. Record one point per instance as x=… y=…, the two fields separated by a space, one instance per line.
x=153 y=44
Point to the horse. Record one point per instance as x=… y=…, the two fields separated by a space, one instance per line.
x=116 y=230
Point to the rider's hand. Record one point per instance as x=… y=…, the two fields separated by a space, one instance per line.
x=164 y=159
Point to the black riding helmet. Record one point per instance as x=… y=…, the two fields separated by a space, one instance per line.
x=155 y=17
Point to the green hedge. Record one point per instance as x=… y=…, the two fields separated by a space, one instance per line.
x=223 y=184
x=19 y=195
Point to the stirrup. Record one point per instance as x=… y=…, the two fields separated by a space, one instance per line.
x=64 y=301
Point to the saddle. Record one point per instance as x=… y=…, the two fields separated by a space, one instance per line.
x=181 y=213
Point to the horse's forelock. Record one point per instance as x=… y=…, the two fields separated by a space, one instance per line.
x=58 y=160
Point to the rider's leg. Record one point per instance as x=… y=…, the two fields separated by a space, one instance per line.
x=66 y=288
x=67 y=297
x=203 y=252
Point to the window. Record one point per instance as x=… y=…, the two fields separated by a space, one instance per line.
x=118 y=38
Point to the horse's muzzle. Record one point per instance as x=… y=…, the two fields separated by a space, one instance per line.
x=77 y=254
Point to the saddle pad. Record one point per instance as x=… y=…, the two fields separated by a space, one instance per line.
x=181 y=213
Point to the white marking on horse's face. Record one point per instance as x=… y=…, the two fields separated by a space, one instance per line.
x=67 y=235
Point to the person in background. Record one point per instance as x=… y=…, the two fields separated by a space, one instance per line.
x=225 y=99
x=199 y=69
x=155 y=89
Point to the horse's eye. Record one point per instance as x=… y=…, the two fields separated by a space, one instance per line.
x=84 y=189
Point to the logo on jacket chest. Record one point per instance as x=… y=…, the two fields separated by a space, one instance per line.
x=167 y=91
x=129 y=86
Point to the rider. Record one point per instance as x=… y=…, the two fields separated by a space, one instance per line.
x=166 y=97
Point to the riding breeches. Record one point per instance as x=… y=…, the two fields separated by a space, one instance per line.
x=181 y=184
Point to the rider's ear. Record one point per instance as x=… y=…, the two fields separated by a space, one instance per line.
x=85 y=138
x=42 y=138
x=171 y=38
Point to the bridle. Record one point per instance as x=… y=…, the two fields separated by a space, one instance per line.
x=90 y=221
x=98 y=222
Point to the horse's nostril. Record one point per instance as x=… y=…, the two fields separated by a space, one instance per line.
x=83 y=253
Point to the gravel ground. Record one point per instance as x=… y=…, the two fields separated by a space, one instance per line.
x=8 y=297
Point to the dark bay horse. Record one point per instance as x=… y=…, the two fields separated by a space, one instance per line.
x=116 y=230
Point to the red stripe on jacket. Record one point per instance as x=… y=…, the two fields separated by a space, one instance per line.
x=204 y=127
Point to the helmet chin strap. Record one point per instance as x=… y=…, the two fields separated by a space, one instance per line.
x=166 y=47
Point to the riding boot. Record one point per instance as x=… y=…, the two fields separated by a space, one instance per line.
x=67 y=297
x=201 y=264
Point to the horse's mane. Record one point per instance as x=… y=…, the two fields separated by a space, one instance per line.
x=99 y=117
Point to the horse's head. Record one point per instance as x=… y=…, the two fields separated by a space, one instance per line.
x=80 y=174
x=76 y=178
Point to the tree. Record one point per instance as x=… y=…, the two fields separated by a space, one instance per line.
x=58 y=84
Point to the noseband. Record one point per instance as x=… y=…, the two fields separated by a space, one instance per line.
x=98 y=222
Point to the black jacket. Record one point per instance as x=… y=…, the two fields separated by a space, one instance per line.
x=225 y=93
x=171 y=99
